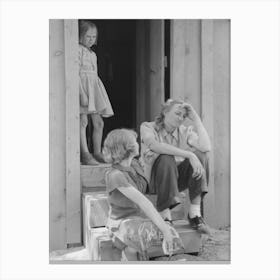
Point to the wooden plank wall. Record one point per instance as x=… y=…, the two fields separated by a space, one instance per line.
x=207 y=92
x=73 y=186
x=65 y=187
x=57 y=207
x=221 y=106
x=200 y=73
x=185 y=73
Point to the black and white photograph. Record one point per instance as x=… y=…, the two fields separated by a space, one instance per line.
x=140 y=140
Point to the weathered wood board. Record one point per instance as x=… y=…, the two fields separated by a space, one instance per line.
x=93 y=176
x=57 y=208
x=72 y=137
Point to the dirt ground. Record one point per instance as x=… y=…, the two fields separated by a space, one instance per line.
x=214 y=248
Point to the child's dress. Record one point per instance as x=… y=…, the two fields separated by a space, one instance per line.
x=92 y=86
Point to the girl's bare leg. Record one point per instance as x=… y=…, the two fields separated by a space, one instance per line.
x=98 y=125
x=87 y=158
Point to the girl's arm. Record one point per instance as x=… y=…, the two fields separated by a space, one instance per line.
x=148 y=208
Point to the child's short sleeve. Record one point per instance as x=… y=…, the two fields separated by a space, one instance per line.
x=116 y=179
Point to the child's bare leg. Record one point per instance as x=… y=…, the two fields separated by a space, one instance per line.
x=83 y=127
x=87 y=158
x=98 y=125
x=129 y=254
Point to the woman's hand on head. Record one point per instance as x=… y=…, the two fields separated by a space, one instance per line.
x=191 y=113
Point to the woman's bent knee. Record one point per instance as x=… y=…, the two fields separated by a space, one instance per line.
x=166 y=160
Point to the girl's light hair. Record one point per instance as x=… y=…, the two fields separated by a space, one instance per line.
x=84 y=26
x=166 y=107
x=119 y=145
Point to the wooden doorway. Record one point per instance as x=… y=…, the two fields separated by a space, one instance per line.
x=116 y=67
x=131 y=65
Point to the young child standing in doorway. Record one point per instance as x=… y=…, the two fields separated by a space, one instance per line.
x=94 y=100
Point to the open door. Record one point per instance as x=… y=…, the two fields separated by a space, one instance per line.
x=149 y=69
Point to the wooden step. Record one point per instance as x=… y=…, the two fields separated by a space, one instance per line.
x=96 y=208
x=95 y=213
x=102 y=249
x=93 y=176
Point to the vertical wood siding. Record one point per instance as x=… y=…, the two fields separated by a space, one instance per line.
x=57 y=137
x=65 y=192
x=221 y=118
x=73 y=186
x=185 y=59
x=200 y=73
x=207 y=92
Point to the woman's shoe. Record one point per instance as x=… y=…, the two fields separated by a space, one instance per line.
x=199 y=225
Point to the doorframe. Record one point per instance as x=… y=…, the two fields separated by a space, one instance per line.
x=149 y=69
x=73 y=182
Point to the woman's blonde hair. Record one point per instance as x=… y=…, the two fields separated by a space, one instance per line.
x=119 y=145
x=166 y=107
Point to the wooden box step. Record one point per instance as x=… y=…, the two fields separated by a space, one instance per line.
x=93 y=176
x=101 y=247
x=95 y=213
x=96 y=208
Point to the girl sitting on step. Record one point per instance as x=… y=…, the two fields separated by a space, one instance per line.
x=134 y=223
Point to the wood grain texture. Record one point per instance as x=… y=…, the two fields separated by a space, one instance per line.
x=95 y=213
x=185 y=59
x=93 y=176
x=72 y=139
x=221 y=108
x=97 y=207
x=156 y=67
x=207 y=87
x=57 y=207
